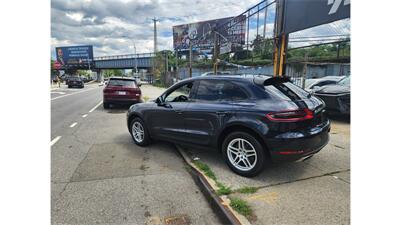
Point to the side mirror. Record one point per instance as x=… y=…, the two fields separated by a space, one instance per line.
x=162 y=103
x=139 y=85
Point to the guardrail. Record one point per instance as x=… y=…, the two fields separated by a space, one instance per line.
x=127 y=56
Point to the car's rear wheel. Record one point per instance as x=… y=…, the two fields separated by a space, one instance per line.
x=244 y=154
x=139 y=132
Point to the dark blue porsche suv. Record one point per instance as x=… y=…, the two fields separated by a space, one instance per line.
x=251 y=119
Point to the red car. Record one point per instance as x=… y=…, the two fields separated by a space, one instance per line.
x=121 y=90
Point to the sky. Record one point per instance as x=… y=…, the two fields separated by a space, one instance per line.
x=114 y=26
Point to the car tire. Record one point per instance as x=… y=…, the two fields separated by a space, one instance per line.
x=141 y=140
x=250 y=158
x=69 y=86
x=106 y=105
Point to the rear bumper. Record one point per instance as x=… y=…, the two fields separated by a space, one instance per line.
x=122 y=100
x=292 y=146
x=76 y=85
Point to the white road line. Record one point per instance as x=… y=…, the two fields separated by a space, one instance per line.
x=74 y=124
x=84 y=115
x=96 y=106
x=62 y=96
x=55 y=140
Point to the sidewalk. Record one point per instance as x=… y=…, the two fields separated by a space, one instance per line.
x=316 y=191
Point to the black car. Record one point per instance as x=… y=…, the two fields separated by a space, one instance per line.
x=336 y=97
x=252 y=120
x=75 y=82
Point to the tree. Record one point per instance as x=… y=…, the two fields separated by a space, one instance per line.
x=83 y=73
x=113 y=72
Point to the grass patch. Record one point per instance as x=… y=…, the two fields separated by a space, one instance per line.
x=247 y=190
x=241 y=206
x=205 y=168
x=222 y=189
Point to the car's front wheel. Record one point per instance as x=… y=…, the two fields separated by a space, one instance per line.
x=139 y=132
x=243 y=153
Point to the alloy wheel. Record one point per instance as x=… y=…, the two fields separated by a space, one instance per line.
x=242 y=154
x=138 y=131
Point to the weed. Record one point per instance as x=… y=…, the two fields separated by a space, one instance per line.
x=205 y=168
x=241 y=206
x=247 y=190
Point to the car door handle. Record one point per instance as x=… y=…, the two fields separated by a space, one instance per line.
x=221 y=113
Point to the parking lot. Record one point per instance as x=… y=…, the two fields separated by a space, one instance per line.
x=100 y=176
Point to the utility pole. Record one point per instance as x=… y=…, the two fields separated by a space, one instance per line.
x=190 y=58
x=280 y=40
x=216 y=53
x=155 y=34
x=177 y=66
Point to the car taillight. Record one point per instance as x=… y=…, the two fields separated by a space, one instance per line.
x=291 y=116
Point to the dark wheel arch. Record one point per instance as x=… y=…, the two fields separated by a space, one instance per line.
x=132 y=117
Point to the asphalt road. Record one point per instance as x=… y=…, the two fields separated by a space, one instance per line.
x=69 y=104
x=99 y=176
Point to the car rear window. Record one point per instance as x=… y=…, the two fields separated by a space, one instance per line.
x=287 y=91
x=121 y=82
x=74 y=78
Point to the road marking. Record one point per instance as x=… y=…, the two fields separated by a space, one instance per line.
x=58 y=92
x=62 y=96
x=96 y=106
x=74 y=124
x=55 y=140
x=84 y=115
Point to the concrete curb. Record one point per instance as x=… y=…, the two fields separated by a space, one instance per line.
x=220 y=204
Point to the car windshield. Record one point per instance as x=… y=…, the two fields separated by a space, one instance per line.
x=345 y=81
x=74 y=78
x=121 y=82
x=309 y=82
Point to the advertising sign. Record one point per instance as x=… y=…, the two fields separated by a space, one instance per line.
x=74 y=55
x=303 y=14
x=230 y=29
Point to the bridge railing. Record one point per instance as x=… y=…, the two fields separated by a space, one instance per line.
x=127 y=56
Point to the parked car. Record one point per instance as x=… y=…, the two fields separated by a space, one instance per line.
x=121 y=90
x=315 y=84
x=75 y=82
x=211 y=73
x=336 y=96
x=252 y=120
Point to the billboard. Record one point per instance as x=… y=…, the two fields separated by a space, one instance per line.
x=233 y=30
x=302 y=14
x=75 y=55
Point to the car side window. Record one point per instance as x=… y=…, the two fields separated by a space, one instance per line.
x=181 y=94
x=215 y=90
